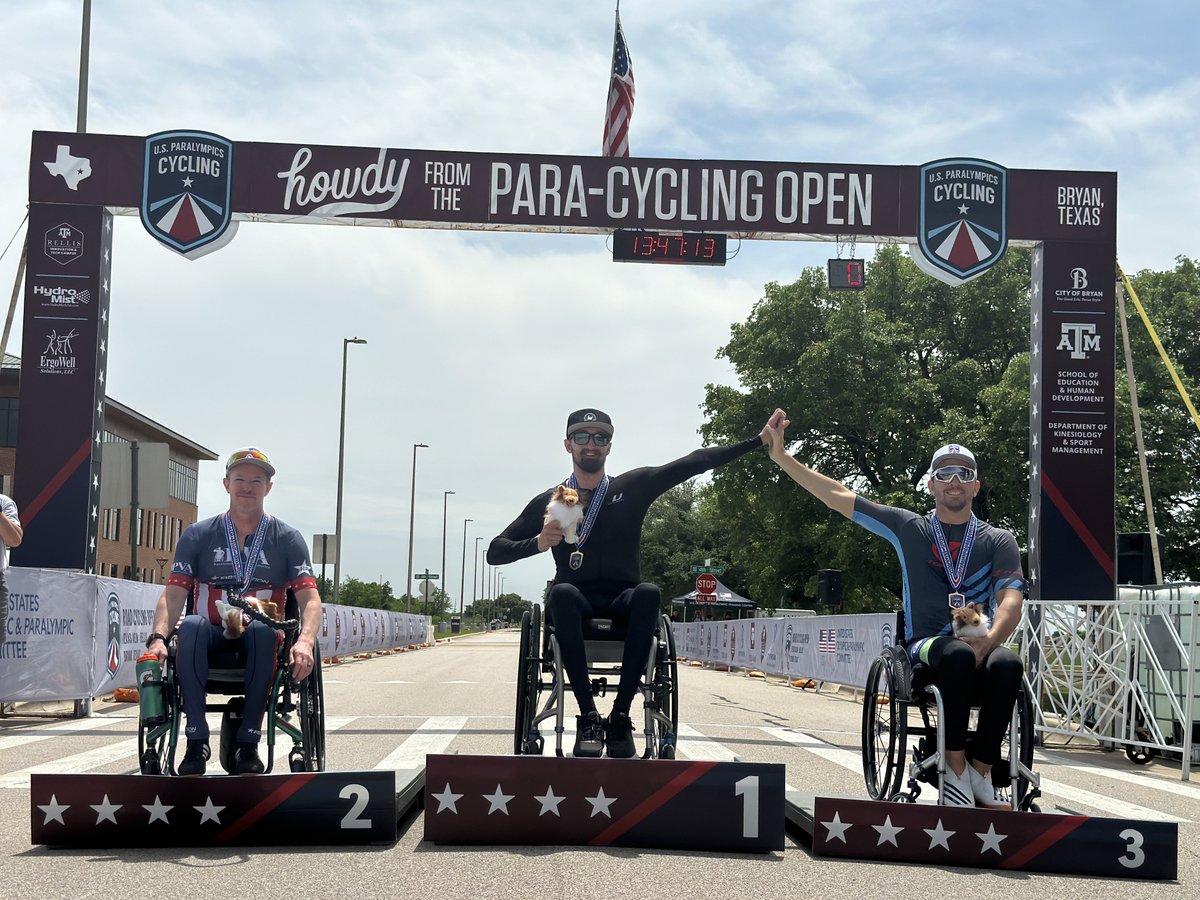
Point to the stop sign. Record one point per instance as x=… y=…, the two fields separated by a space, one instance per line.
x=706 y=584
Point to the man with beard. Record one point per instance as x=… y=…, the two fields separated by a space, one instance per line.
x=600 y=575
x=948 y=560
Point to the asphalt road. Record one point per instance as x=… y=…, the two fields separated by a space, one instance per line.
x=458 y=698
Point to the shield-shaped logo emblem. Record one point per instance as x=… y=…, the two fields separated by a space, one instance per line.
x=113 y=662
x=962 y=222
x=186 y=191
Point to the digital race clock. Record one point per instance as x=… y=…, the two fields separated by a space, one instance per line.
x=652 y=246
x=847 y=275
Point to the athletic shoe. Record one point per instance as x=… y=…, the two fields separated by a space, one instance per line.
x=618 y=735
x=956 y=789
x=589 y=734
x=194 y=759
x=246 y=761
x=987 y=794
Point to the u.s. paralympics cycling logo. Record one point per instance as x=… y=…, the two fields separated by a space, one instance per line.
x=962 y=218
x=186 y=191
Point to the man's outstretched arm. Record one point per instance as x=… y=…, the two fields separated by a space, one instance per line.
x=832 y=493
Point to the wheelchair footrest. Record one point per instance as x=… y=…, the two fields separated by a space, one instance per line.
x=666 y=804
x=304 y=809
x=987 y=839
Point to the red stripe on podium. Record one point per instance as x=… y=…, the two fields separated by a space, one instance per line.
x=636 y=815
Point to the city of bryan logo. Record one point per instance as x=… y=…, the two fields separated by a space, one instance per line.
x=114 y=634
x=962 y=222
x=186 y=191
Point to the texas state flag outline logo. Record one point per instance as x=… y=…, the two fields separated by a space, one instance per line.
x=186 y=191
x=962 y=225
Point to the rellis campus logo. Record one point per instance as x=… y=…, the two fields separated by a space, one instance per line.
x=186 y=191
x=962 y=221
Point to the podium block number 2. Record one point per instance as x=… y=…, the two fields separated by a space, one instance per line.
x=361 y=795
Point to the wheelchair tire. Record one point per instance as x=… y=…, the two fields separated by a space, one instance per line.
x=311 y=693
x=1140 y=755
x=884 y=730
x=528 y=679
x=667 y=677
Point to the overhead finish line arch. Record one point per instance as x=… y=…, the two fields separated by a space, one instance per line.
x=192 y=189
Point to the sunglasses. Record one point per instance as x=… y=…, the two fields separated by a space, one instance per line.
x=946 y=474
x=600 y=439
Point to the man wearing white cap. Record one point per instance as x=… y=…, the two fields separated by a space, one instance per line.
x=247 y=553
x=948 y=559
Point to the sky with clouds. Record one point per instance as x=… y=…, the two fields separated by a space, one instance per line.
x=481 y=343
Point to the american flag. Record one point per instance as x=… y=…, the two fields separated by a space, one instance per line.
x=827 y=640
x=620 y=99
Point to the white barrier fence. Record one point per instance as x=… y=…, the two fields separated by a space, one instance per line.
x=836 y=649
x=71 y=636
x=1122 y=673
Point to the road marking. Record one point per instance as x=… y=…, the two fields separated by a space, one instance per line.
x=57 y=729
x=69 y=765
x=432 y=736
x=1140 y=779
x=847 y=759
x=1119 y=808
x=694 y=745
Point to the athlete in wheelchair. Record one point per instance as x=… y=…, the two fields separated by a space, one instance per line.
x=950 y=561
x=598 y=582
x=237 y=572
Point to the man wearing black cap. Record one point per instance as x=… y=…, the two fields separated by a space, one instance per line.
x=949 y=559
x=246 y=552
x=600 y=575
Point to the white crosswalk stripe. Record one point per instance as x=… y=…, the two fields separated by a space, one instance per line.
x=434 y=735
x=72 y=726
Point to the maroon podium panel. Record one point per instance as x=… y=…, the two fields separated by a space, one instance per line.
x=305 y=809
x=986 y=839
x=668 y=804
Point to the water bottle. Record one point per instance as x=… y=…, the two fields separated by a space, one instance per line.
x=149 y=679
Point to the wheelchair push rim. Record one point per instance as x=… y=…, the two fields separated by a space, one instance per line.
x=884 y=728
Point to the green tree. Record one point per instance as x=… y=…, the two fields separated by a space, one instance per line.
x=871 y=380
x=366 y=594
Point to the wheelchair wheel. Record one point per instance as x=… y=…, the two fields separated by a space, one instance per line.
x=884 y=730
x=156 y=745
x=1023 y=758
x=309 y=756
x=667 y=689
x=528 y=681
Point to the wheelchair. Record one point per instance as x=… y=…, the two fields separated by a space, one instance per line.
x=540 y=671
x=900 y=702
x=296 y=710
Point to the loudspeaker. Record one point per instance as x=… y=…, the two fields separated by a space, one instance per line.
x=1135 y=559
x=829 y=587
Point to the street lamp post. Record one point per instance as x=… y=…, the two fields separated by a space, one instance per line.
x=475 y=577
x=412 y=505
x=445 y=579
x=462 y=581
x=337 y=539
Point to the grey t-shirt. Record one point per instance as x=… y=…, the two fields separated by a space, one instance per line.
x=994 y=565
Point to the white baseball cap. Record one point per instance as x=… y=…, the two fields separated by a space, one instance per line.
x=955 y=453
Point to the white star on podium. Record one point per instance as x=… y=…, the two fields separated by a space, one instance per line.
x=498 y=801
x=837 y=829
x=105 y=810
x=549 y=802
x=54 y=810
x=600 y=803
x=991 y=840
x=157 y=811
x=887 y=833
x=939 y=835
x=447 y=799
x=208 y=812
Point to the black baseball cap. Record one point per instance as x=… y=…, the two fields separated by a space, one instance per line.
x=589 y=418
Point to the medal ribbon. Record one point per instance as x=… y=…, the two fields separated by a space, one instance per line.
x=235 y=550
x=594 y=505
x=959 y=572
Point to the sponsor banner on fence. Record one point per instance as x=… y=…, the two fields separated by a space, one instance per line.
x=837 y=649
x=71 y=635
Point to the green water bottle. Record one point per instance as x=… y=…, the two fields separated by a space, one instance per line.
x=149 y=679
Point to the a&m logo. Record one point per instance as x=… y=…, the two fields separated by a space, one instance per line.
x=962 y=221
x=186 y=191
x=1080 y=338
